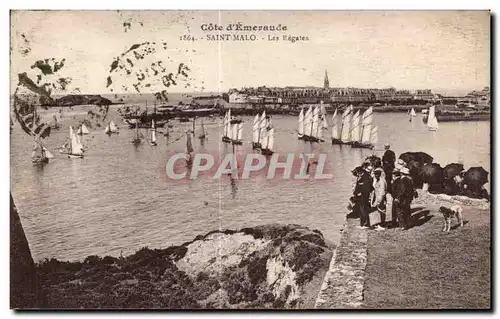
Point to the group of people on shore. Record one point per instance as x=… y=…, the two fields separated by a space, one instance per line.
x=375 y=180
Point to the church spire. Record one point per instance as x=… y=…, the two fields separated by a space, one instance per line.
x=326 y=84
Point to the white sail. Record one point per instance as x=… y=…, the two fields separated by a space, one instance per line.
x=301 y=123
x=308 y=117
x=335 y=126
x=47 y=153
x=366 y=125
x=83 y=130
x=76 y=147
x=263 y=128
x=234 y=132
x=345 y=133
x=356 y=128
x=319 y=133
x=412 y=113
x=270 y=139
x=108 y=129
x=322 y=108
x=224 y=125
x=153 y=131
x=240 y=131
x=315 y=123
x=374 y=135
x=432 y=122
x=324 y=122
x=113 y=127
x=255 y=129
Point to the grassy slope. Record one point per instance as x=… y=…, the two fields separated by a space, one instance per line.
x=427 y=268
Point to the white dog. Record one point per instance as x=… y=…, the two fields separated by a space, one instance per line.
x=448 y=213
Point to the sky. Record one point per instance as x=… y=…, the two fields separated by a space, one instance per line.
x=447 y=51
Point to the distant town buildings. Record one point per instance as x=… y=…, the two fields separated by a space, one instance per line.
x=311 y=94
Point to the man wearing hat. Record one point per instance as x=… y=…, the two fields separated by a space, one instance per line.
x=388 y=160
x=362 y=192
x=402 y=193
x=379 y=198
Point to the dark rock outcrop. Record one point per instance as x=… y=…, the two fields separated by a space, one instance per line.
x=81 y=99
x=24 y=286
x=270 y=266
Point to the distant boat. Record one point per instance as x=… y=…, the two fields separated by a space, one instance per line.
x=153 y=133
x=256 y=132
x=432 y=122
x=74 y=148
x=317 y=130
x=263 y=128
x=40 y=154
x=300 y=134
x=55 y=125
x=335 y=129
x=226 y=138
x=189 y=148
x=83 y=130
x=268 y=145
x=324 y=122
x=137 y=138
x=237 y=134
x=345 y=130
x=203 y=134
x=412 y=113
x=112 y=128
x=366 y=130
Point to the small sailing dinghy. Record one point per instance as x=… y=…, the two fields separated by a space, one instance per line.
x=335 y=129
x=111 y=128
x=300 y=134
x=189 y=148
x=413 y=113
x=365 y=129
x=226 y=138
x=74 y=148
x=432 y=122
x=153 y=133
x=268 y=145
x=237 y=134
x=256 y=132
x=137 y=138
x=83 y=130
x=40 y=154
x=203 y=135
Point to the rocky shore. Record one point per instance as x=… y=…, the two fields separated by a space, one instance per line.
x=269 y=266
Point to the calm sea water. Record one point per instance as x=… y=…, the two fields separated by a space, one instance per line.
x=118 y=198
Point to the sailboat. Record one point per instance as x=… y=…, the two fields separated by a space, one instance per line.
x=226 y=138
x=40 y=154
x=268 y=145
x=137 y=139
x=365 y=128
x=203 y=135
x=189 y=148
x=432 y=122
x=75 y=149
x=301 y=125
x=236 y=133
x=314 y=126
x=356 y=129
x=412 y=113
x=335 y=129
x=308 y=117
x=83 y=130
x=256 y=132
x=112 y=128
x=153 y=133
x=345 y=130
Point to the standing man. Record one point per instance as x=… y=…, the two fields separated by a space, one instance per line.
x=362 y=192
x=379 y=199
x=388 y=163
x=402 y=194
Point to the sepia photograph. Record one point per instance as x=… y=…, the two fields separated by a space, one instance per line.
x=250 y=160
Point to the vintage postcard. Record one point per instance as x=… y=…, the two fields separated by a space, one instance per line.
x=250 y=160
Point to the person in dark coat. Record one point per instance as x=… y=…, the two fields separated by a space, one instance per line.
x=388 y=164
x=402 y=193
x=362 y=191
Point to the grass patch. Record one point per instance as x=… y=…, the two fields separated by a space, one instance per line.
x=426 y=268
